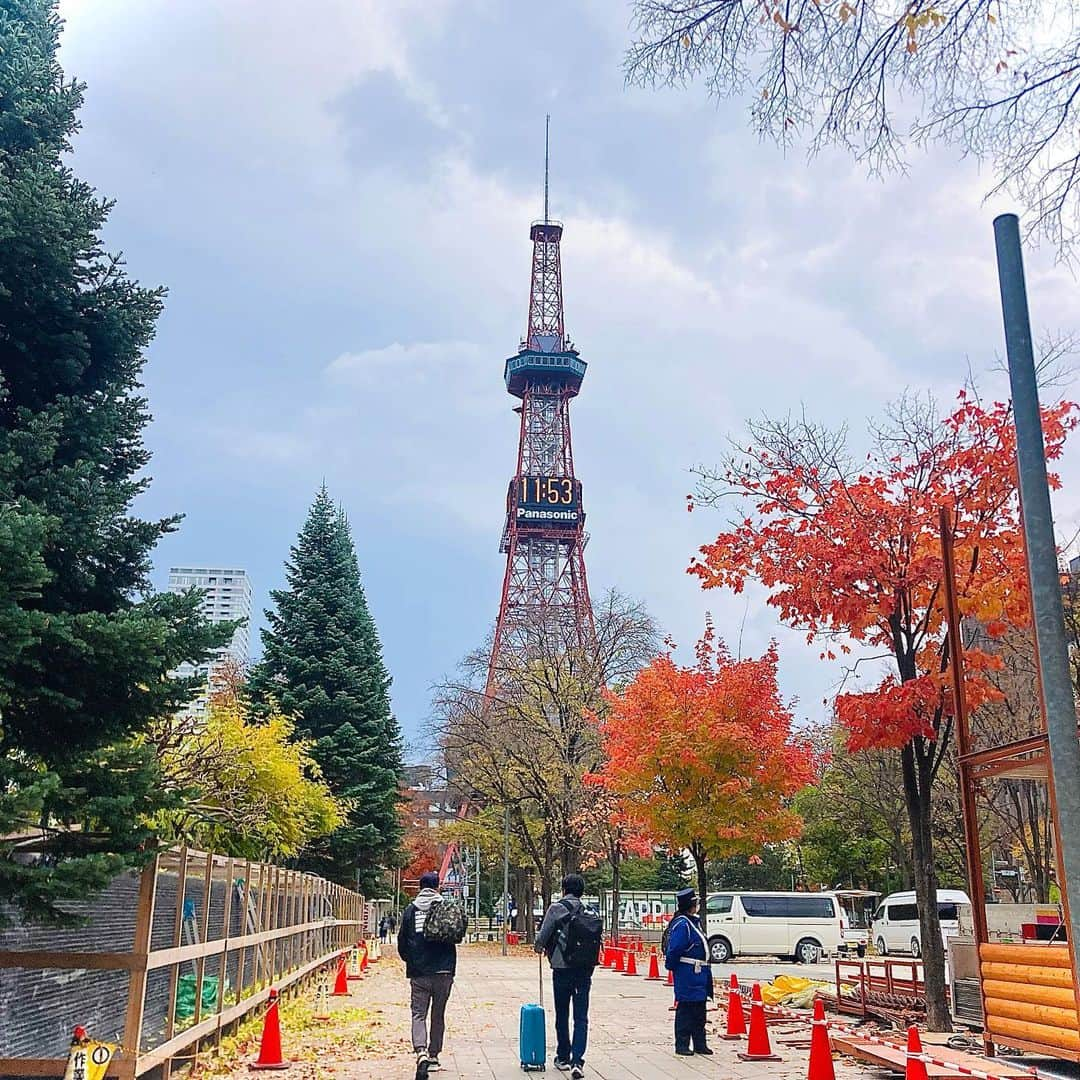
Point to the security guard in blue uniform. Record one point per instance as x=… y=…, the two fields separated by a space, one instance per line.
x=687 y=957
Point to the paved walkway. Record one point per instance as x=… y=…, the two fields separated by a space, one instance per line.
x=630 y=1035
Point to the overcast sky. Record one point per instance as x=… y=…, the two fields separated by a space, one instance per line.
x=338 y=196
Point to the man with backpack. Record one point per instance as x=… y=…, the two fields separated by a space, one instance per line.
x=570 y=935
x=431 y=928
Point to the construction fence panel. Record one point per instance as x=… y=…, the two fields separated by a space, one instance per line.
x=166 y=958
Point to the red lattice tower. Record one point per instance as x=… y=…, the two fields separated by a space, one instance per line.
x=545 y=605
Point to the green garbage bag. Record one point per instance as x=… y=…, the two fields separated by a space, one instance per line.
x=185 y=996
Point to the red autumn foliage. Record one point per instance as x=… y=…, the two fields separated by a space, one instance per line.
x=611 y=833
x=421 y=850
x=421 y=854
x=854 y=554
x=851 y=555
x=704 y=756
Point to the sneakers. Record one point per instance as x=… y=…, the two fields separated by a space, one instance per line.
x=423 y=1064
x=577 y=1072
x=434 y=1066
x=562 y=1066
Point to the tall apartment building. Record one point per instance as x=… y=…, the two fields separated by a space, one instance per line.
x=228 y=597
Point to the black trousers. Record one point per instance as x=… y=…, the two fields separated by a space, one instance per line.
x=690 y=1025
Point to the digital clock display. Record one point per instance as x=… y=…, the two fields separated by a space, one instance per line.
x=547 y=499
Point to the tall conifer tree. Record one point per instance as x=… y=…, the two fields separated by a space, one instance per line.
x=322 y=663
x=85 y=649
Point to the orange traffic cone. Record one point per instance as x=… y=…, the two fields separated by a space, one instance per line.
x=757 y=1044
x=916 y=1063
x=670 y=977
x=631 y=964
x=619 y=961
x=270 y=1042
x=363 y=959
x=341 y=983
x=736 y=1021
x=654 y=966
x=821 y=1062
x=609 y=956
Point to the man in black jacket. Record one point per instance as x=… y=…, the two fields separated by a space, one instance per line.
x=571 y=984
x=429 y=967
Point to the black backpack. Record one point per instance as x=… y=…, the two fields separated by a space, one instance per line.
x=666 y=936
x=582 y=935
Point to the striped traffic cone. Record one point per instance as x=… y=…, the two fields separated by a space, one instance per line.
x=736 y=1021
x=916 y=1061
x=821 y=1062
x=654 y=967
x=757 y=1044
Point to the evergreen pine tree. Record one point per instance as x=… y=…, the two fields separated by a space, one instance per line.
x=85 y=649
x=322 y=663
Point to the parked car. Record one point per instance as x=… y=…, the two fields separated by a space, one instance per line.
x=857 y=908
x=800 y=926
x=896 y=921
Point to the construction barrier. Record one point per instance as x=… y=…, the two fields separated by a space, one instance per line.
x=759 y=1045
x=204 y=937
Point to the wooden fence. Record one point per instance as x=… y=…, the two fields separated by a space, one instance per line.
x=209 y=937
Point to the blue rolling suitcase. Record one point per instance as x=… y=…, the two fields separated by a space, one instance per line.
x=532 y=1041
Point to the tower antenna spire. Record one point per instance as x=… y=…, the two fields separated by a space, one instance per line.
x=547 y=158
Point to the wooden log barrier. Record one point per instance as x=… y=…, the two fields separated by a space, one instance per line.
x=1048 y=1015
x=1033 y=1034
x=1060 y=997
x=1053 y=956
x=1029 y=974
x=1029 y=997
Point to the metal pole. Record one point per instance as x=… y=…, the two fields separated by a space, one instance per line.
x=1059 y=706
x=506 y=877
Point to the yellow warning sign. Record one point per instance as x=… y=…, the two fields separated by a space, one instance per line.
x=89 y=1060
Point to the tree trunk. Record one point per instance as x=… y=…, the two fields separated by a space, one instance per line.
x=697 y=852
x=616 y=881
x=530 y=903
x=917 y=769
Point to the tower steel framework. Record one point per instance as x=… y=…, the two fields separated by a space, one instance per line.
x=545 y=606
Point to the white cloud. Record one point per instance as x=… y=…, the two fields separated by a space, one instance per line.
x=348 y=316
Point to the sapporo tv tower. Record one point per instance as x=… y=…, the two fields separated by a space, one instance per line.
x=545 y=607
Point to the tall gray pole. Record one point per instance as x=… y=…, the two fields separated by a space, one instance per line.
x=1044 y=575
x=506 y=876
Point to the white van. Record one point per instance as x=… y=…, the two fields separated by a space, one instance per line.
x=896 y=921
x=805 y=926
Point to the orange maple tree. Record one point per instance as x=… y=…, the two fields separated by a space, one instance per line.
x=420 y=848
x=849 y=551
x=703 y=757
x=611 y=834
x=421 y=854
